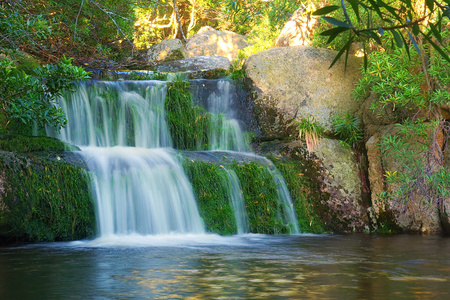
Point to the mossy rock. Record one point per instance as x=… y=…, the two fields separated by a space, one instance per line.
x=24 y=144
x=43 y=199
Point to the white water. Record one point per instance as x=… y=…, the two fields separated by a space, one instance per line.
x=237 y=202
x=139 y=187
x=225 y=132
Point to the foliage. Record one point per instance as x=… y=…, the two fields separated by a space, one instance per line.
x=188 y=124
x=305 y=193
x=24 y=144
x=420 y=175
x=348 y=128
x=44 y=200
x=264 y=211
x=50 y=29
x=30 y=98
x=310 y=131
x=210 y=187
x=404 y=21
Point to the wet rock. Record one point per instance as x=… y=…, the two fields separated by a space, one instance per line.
x=410 y=214
x=341 y=180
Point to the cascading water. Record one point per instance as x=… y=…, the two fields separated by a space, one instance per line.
x=225 y=133
x=237 y=202
x=139 y=186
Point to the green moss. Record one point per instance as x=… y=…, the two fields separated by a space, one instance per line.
x=188 y=124
x=209 y=182
x=43 y=200
x=261 y=199
x=305 y=194
x=22 y=144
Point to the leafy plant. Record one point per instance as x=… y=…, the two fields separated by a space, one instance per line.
x=348 y=128
x=310 y=131
x=30 y=99
x=368 y=22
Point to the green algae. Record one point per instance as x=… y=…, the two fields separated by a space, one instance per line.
x=43 y=200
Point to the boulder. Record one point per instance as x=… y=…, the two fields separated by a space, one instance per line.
x=342 y=181
x=167 y=50
x=445 y=207
x=297 y=82
x=412 y=215
x=196 y=65
x=211 y=42
x=298 y=29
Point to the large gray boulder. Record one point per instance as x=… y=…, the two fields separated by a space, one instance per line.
x=211 y=42
x=196 y=64
x=297 y=82
x=167 y=50
x=342 y=181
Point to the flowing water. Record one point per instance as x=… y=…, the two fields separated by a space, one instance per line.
x=139 y=186
x=238 y=267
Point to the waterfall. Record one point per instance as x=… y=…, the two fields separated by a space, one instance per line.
x=237 y=202
x=225 y=132
x=139 y=186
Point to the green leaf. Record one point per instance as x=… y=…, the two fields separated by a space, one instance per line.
x=345 y=48
x=336 y=22
x=325 y=10
x=406 y=48
x=438 y=49
x=435 y=32
x=430 y=4
x=397 y=38
x=374 y=36
x=335 y=30
x=354 y=4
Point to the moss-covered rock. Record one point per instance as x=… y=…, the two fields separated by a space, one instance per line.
x=24 y=144
x=44 y=197
x=209 y=182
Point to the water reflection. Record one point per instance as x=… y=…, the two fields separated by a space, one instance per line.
x=244 y=267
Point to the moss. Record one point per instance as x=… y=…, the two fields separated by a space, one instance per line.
x=210 y=187
x=264 y=211
x=23 y=144
x=188 y=124
x=304 y=193
x=44 y=200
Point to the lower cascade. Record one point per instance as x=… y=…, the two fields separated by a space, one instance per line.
x=139 y=184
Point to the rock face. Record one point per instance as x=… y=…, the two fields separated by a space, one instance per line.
x=296 y=82
x=167 y=50
x=412 y=215
x=297 y=29
x=342 y=181
x=211 y=42
x=195 y=64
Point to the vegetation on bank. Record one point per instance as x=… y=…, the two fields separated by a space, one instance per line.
x=44 y=199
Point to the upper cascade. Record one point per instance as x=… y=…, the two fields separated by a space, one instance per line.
x=116 y=113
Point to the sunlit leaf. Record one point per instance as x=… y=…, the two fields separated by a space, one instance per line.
x=336 y=22
x=345 y=48
x=325 y=10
